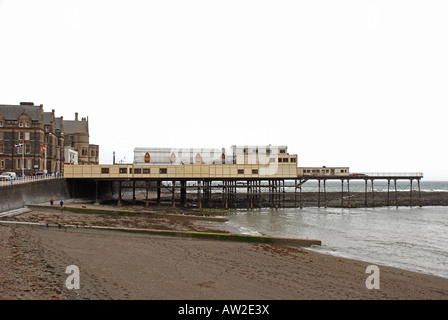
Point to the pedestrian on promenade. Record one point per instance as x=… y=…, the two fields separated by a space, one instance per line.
x=61 y=203
x=51 y=201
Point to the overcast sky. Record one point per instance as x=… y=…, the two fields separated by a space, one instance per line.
x=356 y=83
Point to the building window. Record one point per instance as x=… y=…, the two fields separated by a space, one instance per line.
x=21 y=124
x=146 y=171
x=282 y=151
x=138 y=171
x=2 y=147
x=27 y=124
x=1 y=123
x=27 y=136
x=240 y=171
x=271 y=160
x=123 y=170
x=285 y=160
x=254 y=171
x=293 y=160
x=163 y=171
x=27 y=148
x=2 y=164
x=104 y=170
x=280 y=159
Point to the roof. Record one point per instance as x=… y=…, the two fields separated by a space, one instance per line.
x=76 y=126
x=13 y=112
x=48 y=118
x=60 y=124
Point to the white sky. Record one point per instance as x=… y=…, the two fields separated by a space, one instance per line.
x=341 y=83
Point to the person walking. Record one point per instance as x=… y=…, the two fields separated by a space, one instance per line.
x=61 y=203
x=51 y=201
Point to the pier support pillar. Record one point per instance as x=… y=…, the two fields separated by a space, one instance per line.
x=419 y=195
x=133 y=192
x=325 y=193
x=318 y=193
x=183 y=193
x=396 y=194
x=199 y=195
x=226 y=195
x=365 y=193
x=348 y=192
x=97 y=202
x=119 y=194
x=173 y=199
x=388 y=192
x=159 y=186
x=147 y=194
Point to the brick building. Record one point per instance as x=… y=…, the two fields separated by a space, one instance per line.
x=32 y=140
x=76 y=134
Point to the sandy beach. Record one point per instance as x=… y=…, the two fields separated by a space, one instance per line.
x=117 y=265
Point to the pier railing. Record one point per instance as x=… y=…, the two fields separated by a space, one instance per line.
x=394 y=174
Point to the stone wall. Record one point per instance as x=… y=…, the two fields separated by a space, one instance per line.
x=18 y=195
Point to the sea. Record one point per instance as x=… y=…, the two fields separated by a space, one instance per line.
x=411 y=238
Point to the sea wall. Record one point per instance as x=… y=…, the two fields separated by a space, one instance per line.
x=18 y=195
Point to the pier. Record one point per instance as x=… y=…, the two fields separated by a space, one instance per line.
x=235 y=191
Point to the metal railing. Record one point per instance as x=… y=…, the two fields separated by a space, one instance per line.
x=394 y=174
x=28 y=179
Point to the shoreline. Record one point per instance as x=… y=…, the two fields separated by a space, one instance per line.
x=129 y=266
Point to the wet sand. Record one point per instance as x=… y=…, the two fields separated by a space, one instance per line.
x=116 y=265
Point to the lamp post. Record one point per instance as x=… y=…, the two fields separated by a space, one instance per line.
x=44 y=147
x=45 y=154
x=45 y=160
x=23 y=157
x=23 y=160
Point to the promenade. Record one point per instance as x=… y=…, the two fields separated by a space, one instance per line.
x=28 y=179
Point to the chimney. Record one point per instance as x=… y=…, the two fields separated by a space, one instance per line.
x=76 y=116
